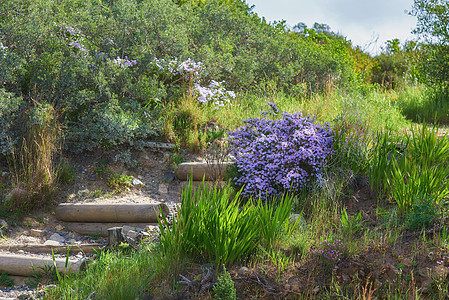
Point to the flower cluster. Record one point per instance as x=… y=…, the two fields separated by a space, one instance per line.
x=2 y=47
x=124 y=62
x=215 y=93
x=274 y=156
x=443 y=268
x=77 y=41
x=191 y=72
x=331 y=252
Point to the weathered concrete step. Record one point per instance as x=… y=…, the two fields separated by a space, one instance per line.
x=39 y=248
x=27 y=265
x=112 y=213
x=89 y=229
x=210 y=171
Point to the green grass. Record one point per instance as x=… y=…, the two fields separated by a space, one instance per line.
x=425 y=104
x=113 y=275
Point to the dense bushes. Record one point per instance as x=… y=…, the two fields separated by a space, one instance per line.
x=86 y=58
x=274 y=156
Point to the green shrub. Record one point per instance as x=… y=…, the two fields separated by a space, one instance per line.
x=422 y=215
x=224 y=288
x=119 y=182
x=97 y=66
x=12 y=128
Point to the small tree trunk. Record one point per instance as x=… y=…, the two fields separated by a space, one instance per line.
x=115 y=236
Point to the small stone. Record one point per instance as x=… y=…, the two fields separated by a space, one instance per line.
x=57 y=237
x=85 y=191
x=59 y=227
x=38 y=232
x=163 y=188
x=4 y=174
x=72 y=242
x=137 y=182
x=169 y=176
x=132 y=234
x=52 y=243
x=244 y=269
x=21 y=252
x=152 y=229
x=126 y=229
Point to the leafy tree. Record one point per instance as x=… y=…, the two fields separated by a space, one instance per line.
x=433 y=27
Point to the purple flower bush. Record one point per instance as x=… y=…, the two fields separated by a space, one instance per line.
x=275 y=156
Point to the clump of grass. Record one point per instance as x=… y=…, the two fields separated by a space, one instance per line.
x=66 y=172
x=32 y=164
x=119 y=182
x=211 y=222
x=112 y=275
x=5 y=280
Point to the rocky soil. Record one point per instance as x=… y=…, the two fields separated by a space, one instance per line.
x=153 y=181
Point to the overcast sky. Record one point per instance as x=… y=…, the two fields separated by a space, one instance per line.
x=361 y=21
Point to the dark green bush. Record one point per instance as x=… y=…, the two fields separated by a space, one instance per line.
x=94 y=61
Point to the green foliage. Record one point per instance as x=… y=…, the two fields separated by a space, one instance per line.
x=351 y=142
x=224 y=288
x=433 y=26
x=420 y=172
x=10 y=112
x=119 y=182
x=273 y=220
x=5 y=280
x=112 y=275
x=96 y=65
x=32 y=165
x=422 y=215
x=381 y=163
x=425 y=104
x=411 y=170
x=351 y=224
x=391 y=66
x=212 y=223
x=66 y=172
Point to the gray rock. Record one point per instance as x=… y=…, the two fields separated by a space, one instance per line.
x=126 y=229
x=57 y=237
x=38 y=232
x=163 y=188
x=137 y=182
x=132 y=234
x=52 y=243
x=169 y=176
